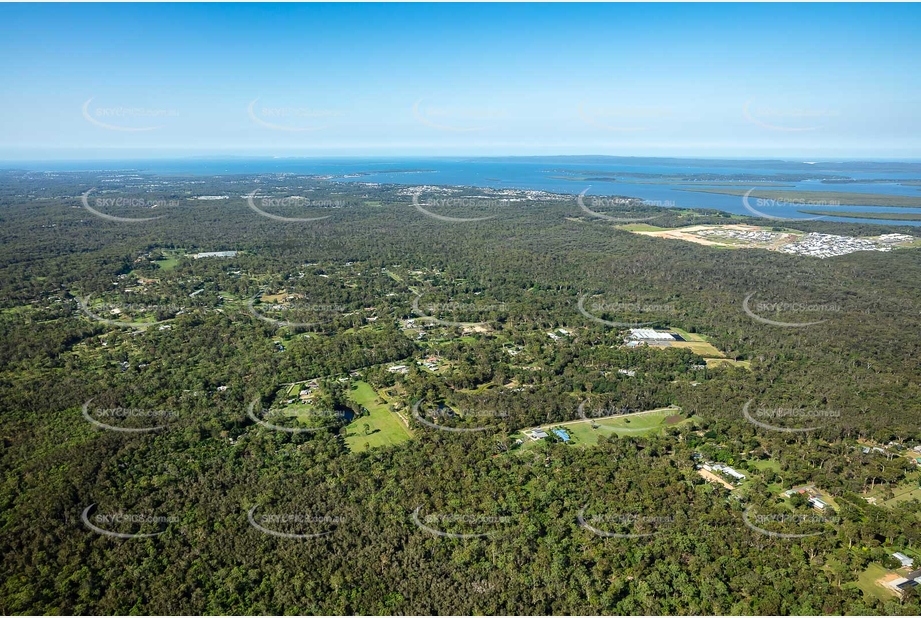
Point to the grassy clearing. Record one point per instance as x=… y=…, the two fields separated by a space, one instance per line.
x=689 y=336
x=640 y=227
x=698 y=347
x=716 y=362
x=386 y=428
x=866 y=582
x=641 y=424
x=765 y=464
x=904 y=495
x=168 y=263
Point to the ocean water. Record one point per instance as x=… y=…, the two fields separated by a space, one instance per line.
x=559 y=175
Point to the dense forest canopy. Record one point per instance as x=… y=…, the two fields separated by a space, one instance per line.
x=402 y=347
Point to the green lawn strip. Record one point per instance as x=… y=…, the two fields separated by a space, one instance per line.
x=689 y=336
x=866 y=582
x=581 y=432
x=386 y=428
x=168 y=263
x=904 y=495
x=640 y=227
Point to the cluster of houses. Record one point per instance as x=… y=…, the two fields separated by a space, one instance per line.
x=540 y=434
x=813 y=497
x=830 y=245
x=722 y=469
x=308 y=391
x=901 y=585
x=432 y=363
x=412 y=323
x=914 y=454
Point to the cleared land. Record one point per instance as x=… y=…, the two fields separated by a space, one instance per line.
x=869 y=582
x=385 y=427
x=168 y=263
x=715 y=479
x=699 y=347
x=716 y=362
x=690 y=234
x=636 y=424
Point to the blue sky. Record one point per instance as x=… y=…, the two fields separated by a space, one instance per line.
x=91 y=81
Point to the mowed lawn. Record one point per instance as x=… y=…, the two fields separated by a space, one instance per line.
x=699 y=347
x=716 y=362
x=386 y=428
x=642 y=424
x=628 y=425
x=866 y=582
x=903 y=494
x=168 y=263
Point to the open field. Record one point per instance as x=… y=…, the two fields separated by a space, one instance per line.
x=905 y=491
x=637 y=424
x=689 y=336
x=713 y=478
x=168 y=263
x=690 y=233
x=386 y=428
x=682 y=234
x=699 y=347
x=866 y=582
x=766 y=464
x=640 y=227
x=716 y=362
x=904 y=495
